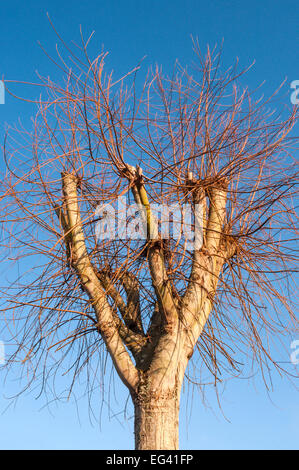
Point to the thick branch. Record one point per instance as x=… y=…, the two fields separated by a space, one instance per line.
x=207 y=263
x=217 y=196
x=130 y=310
x=131 y=285
x=156 y=261
x=92 y=286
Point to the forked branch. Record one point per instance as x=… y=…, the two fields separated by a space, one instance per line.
x=108 y=325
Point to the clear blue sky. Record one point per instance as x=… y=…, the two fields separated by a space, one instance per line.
x=266 y=31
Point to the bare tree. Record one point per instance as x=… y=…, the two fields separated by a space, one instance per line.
x=194 y=138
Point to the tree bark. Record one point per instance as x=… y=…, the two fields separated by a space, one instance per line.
x=157 y=421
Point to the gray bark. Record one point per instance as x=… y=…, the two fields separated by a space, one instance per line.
x=156 y=424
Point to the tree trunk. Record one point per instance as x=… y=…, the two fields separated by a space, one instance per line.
x=157 y=421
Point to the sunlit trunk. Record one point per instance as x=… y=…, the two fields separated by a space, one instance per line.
x=157 y=422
